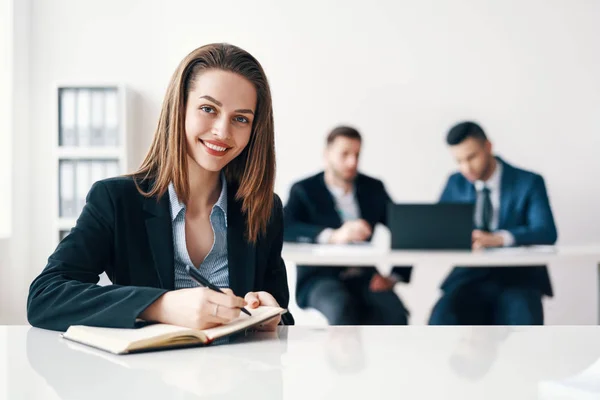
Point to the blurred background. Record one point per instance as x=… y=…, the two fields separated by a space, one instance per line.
x=402 y=73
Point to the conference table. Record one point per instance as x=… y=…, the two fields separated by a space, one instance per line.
x=346 y=362
x=384 y=258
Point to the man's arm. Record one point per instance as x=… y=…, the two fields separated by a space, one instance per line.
x=298 y=227
x=540 y=227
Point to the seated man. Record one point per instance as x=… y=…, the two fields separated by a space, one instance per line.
x=511 y=209
x=340 y=205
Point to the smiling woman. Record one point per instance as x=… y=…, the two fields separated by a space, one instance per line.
x=202 y=198
x=211 y=126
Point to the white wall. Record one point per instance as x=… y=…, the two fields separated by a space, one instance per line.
x=15 y=266
x=402 y=73
x=6 y=41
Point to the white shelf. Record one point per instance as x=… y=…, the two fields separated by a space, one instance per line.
x=76 y=168
x=91 y=153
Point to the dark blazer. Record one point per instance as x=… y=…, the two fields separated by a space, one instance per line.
x=524 y=212
x=130 y=237
x=311 y=209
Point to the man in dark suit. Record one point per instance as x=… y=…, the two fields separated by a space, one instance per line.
x=342 y=206
x=511 y=209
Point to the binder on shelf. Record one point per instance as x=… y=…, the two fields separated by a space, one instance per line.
x=67 y=191
x=111 y=117
x=98 y=171
x=97 y=118
x=84 y=105
x=91 y=145
x=67 y=104
x=112 y=169
x=82 y=184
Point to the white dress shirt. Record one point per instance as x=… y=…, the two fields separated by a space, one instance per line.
x=346 y=206
x=493 y=184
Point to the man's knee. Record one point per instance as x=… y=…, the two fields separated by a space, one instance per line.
x=387 y=309
x=461 y=306
x=334 y=300
x=398 y=317
x=520 y=306
x=443 y=313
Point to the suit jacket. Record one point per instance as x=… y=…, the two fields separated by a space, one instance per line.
x=524 y=212
x=311 y=209
x=130 y=237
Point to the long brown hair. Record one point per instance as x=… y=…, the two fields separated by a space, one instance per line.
x=252 y=171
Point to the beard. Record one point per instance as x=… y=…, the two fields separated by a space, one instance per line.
x=346 y=177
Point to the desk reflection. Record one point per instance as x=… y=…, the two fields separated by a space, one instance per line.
x=226 y=371
x=326 y=363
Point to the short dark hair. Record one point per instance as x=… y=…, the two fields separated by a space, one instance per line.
x=464 y=130
x=343 y=131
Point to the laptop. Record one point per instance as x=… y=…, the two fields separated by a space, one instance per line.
x=442 y=226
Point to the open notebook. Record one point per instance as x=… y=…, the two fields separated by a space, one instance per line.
x=159 y=336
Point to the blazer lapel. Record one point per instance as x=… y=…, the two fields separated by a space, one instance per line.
x=471 y=193
x=328 y=204
x=241 y=255
x=363 y=199
x=160 y=237
x=506 y=190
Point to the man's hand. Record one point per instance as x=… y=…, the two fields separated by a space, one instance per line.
x=481 y=240
x=352 y=231
x=380 y=284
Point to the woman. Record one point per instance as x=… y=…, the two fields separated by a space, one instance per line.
x=203 y=197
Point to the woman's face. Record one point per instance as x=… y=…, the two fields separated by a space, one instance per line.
x=219 y=113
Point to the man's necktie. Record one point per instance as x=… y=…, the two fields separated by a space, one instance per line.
x=483 y=210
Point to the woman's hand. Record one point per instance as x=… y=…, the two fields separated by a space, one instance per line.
x=255 y=299
x=196 y=308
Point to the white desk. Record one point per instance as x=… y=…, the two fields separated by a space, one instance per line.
x=307 y=363
x=364 y=255
x=384 y=259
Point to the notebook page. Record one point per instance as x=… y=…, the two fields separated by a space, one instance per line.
x=244 y=321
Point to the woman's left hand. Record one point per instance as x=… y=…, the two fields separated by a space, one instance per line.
x=255 y=299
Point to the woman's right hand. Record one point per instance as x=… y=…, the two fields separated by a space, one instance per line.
x=196 y=308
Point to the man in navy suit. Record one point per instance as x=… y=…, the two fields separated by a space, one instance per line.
x=342 y=206
x=511 y=209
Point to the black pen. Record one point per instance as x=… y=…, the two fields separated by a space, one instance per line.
x=195 y=275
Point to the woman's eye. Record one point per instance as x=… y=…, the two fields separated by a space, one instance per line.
x=207 y=109
x=241 y=119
